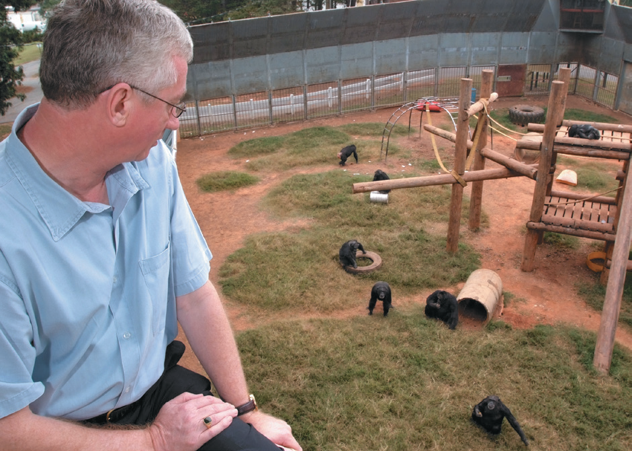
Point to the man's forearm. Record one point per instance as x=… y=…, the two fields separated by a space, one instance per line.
x=204 y=321
x=25 y=431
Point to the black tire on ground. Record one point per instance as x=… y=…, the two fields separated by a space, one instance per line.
x=376 y=259
x=523 y=114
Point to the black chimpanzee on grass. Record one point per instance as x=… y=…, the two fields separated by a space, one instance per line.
x=346 y=152
x=584 y=131
x=381 y=175
x=490 y=412
x=347 y=253
x=381 y=291
x=444 y=306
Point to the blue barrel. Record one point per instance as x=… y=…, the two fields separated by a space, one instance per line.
x=473 y=95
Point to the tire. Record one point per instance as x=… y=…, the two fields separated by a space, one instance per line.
x=376 y=259
x=523 y=114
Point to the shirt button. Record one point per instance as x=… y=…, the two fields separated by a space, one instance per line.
x=127 y=389
x=126 y=335
x=115 y=279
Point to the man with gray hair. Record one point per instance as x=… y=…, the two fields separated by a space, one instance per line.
x=101 y=257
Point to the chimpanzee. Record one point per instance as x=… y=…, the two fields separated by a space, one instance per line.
x=583 y=131
x=381 y=291
x=489 y=414
x=347 y=253
x=381 y=175
x=444 y=306
x=346 y=152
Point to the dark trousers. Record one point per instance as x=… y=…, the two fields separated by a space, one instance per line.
x=175 y=380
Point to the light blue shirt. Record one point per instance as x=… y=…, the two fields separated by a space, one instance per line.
x=87 y=290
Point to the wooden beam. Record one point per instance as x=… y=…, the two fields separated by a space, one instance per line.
x=460 y=154
x=514 y=165
x=478 y=164
x=616 y=280
x=432 y=180
x=540 y=227
x=546 y=157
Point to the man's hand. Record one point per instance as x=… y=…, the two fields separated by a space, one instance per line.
x=276 y=430
x=180 y=425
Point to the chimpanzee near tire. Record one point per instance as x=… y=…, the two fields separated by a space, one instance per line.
x=523 y=114
x=376 y=259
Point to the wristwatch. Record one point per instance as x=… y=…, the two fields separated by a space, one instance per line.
x=248 y=407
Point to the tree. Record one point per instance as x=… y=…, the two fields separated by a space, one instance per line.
x=10 y=40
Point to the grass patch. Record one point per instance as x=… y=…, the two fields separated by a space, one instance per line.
x=594 y=294
x=5 y=130
x=283 y=271
x=28 y=53
x=407 y=383
x=561 y=241
x=314 y=146
x=574 y=114
x=592 y=175
x=225 y=180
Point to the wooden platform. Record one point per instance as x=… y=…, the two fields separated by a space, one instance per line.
x=578 y=214
x=607 y=137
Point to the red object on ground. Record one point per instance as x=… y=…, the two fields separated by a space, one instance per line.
x=432 y=106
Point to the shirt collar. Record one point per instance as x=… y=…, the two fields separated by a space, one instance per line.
x=59 y=209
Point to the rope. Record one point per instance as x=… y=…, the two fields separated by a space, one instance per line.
x=454 y=174
x=583 y=200
x=470 y=158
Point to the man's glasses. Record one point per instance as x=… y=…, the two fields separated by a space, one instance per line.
x=176 y=110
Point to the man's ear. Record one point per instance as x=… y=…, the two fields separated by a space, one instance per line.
x=119 y=104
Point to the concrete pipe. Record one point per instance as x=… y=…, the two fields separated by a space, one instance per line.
x=481 y=296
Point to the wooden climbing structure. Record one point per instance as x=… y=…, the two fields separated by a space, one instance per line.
x=597 y=217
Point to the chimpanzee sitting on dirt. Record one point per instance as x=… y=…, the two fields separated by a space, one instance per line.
x=583 y=131
x=444 y=306
x=381 y=175
x=381 y=291
x=347 y=253
x=489 y=414
x=346 y=152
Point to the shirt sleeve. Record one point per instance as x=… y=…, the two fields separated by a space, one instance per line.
x=189 y=252
x=17 y=354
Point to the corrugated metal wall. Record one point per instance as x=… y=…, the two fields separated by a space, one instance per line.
x=289 y=61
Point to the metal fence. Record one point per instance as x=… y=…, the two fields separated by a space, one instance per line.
x=358 y=94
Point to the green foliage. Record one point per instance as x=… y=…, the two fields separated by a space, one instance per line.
x=594 y=294
x=225 y=180
x=10 y=40
x=34 y=35
x=204 y=11
x=292 y=271
x=407 y=383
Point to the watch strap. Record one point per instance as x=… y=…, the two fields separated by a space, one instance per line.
x=247 y=407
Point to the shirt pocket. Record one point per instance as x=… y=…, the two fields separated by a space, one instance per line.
x=156 y=274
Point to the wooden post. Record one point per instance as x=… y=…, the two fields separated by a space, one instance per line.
x=541 y=185
x=616 y=279
x=460 y=154
x=476 y=196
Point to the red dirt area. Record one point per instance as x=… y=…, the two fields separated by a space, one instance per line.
x=547 y=295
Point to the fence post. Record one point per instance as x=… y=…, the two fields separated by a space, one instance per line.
x=234 y=111
x=270 y=106
x=435 y=92
x=405 y=86
x=305 y=115
x=197 y=113
x=372 y=81
x=339 y=96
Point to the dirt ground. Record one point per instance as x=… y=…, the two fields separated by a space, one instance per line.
x=545 y=296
